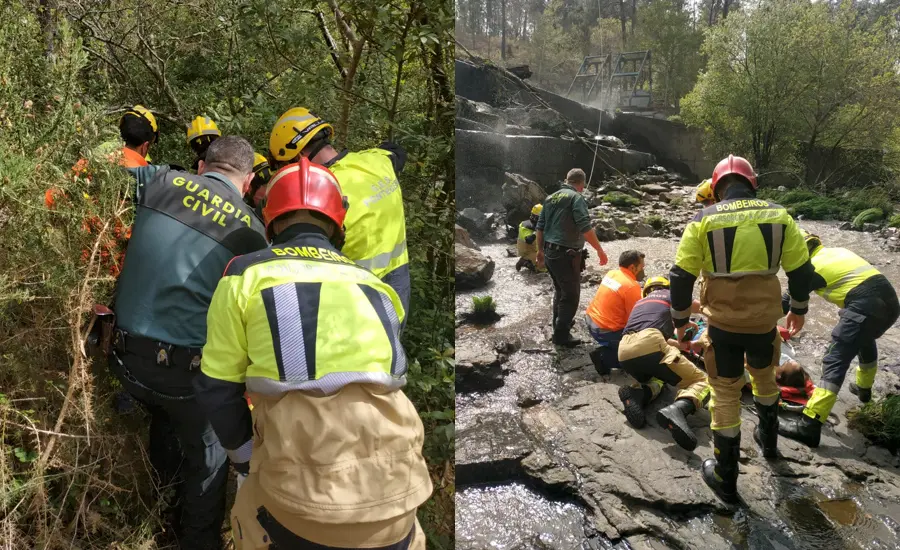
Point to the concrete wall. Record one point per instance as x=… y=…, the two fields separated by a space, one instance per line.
x=675 y=146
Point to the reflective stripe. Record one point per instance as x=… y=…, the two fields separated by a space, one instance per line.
x=796 y=304
x=297 y=118
x=836 y=285
x=388 y=317
x=719 y=250
x=739 y=274
x=682 y=314
x=328 y=384
x=383 y=260
x=777 y=235
x=867 y=366
x=290 y=331
x=241 y=454
x=834 y=388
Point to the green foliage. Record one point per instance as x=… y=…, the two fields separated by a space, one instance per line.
x=867 y=216
x=894 y=221
x=655 y=221
x=791 y=73
x=617 y=198
x=817 y=206
x=483 y=305
x=879 y=420
x=243 y=64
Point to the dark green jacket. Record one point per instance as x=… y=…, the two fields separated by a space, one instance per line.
x=186 y=230
x=565 y=218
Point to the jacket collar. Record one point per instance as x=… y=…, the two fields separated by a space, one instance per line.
x=628 y=273
x=301 y=230
x=218 y=176
x=739 y=192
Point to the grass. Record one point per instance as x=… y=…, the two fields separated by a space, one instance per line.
x=867 y=216
x=617 y=198
x=894 y=221
x=484 y=311
x=879 y=420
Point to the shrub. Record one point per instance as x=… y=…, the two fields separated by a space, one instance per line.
x=867 y=216
x=879 y=420
x=484 y=311
x=895 y=221
x=617 y=198
x=656 y=222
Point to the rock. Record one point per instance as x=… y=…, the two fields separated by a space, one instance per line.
x=553 y=477
x=520 y=194
x=545 y=120
x=483 y=114
x=654 y=189
x=870 y=227
x=462 y=237
x=475 y=222
x=656 y=170
x=526 y=397
x=622 y=235
x=643 y=230
x=512 y=251
x=473 y=269
x=605 y=230
x=846 y=226
x=782 y=188
x=479 y=367
x=491 y=449
x=668 y=198
x=609 y=141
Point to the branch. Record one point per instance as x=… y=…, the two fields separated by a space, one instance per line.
x=346 y=31
x=332 y=46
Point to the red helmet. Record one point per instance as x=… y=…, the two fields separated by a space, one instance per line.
x=733 y=165
x=305 y=186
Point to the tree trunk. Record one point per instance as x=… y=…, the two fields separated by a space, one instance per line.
x=503 y=30
x=725 y=5
x=525 y=24
x=633 y=16
x=623 y=18
x=47 y=18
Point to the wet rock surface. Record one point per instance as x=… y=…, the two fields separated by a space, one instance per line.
x=637 y=487
x=473 y=270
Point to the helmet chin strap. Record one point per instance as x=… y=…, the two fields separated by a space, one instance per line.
x=315 y=150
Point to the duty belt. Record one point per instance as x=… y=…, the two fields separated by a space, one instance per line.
x=554 y=246
x=165 y=354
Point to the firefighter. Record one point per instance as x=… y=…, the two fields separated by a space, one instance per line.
x=739 y=244
x=650 y=355
x=704 y=194
x=255 y=192
x=869 y=307
x=332 y=449
x=376 y=223
x=526 y=242
x=201 y=132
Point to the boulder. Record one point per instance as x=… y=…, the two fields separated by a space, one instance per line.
x=475 y=222
x=605 y=230
x=609 y=141
x=544 y=120
x=846 y=226
x=643 y=230
x=656 y=170
x=473 y=269
x=462 y=237
x=870 y=227
x=654 y=189
x=520 y=194
x=526 y=397
x=479 y=367
x=669 y=197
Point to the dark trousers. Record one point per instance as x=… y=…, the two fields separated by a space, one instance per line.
x=184 y=449
x=565 y=270
x=863 y=321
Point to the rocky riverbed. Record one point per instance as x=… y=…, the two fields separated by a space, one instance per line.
x=545 y=458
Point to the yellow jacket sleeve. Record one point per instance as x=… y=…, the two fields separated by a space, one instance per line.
x=225 y=353
x=689 y=256
x=794 y=252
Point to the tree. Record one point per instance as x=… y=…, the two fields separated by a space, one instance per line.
x=667 y=32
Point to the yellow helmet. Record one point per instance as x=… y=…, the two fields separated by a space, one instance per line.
x=654 y=283
x=813 y=242
x=261 y=175
x=258 y=161
x=144 y=113
x=202 y=126
x=704 y=191
x=293 y=131
x=536 y=210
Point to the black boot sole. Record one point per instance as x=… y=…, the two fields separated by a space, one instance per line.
x=679 y=428
x=631 y=401
x=798 y=436
x=707 y=470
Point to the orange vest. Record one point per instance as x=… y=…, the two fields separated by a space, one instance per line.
x=614 y=300
x=132 y=159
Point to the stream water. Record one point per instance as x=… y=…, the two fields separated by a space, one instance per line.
x=515 y=515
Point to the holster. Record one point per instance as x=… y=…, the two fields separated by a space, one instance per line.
x=102 y=328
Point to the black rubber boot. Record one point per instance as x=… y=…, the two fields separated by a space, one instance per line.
x=599 y=357
x=634 y=399
x=721 y=473
x=674 y=419
x=566 y=340
x=766 y=432
x=801 y=428
x=864 y=394
x=520 y=264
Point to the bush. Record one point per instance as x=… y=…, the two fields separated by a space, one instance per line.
x=867 y=216
x=879 y=420
x=617 y=198
x=483 y=305
x=656 y=222
x=817 y=206
x=895 y=221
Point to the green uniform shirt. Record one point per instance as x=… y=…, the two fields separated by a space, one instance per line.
x=565 y=218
